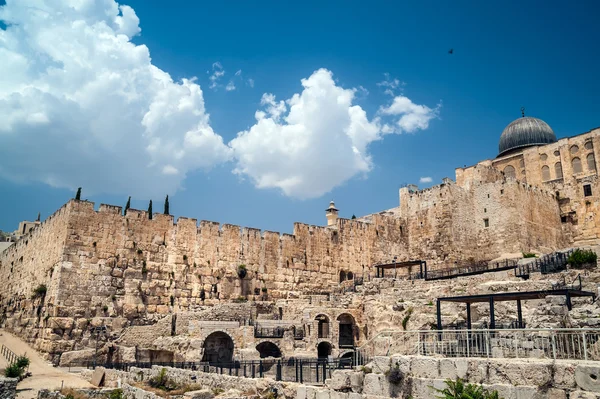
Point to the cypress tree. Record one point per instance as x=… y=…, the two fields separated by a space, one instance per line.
x=78 y=195
x=167 y=205
x=150 y=210
x=353 y=216
x=38 y=218
x=127 y=206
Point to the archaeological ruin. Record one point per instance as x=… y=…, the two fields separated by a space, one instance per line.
x=95 y=284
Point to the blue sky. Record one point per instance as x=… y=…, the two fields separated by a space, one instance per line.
x=541 y=55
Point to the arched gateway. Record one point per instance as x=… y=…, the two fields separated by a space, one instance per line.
x=218 y=348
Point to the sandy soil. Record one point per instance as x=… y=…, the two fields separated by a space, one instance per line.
x=44 y=375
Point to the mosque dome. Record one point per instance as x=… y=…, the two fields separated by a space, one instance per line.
x=525 y=132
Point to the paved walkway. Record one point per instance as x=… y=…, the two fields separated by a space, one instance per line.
x=44 y=375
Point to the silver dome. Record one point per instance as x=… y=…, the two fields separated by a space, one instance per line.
x=525 y=132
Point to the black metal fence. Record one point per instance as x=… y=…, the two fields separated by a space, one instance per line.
x=550 y=263
x=268 y=332
x=290 y=370
x=473 y=269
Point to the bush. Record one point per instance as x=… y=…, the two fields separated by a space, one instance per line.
x=394 y=375
x=581 y=257
x=459 y=390
x=116 y=394
x=529 y=255
x=264 y=290
x=184 y=258
x=144 y=269
x=240 y=299
x=242 y=271
x=139 y=251
x=406 y=318
x=40 y=291
x=162 y=381
x=13 y=371
x=22 y=362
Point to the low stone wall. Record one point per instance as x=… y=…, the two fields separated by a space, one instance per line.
x=8 y=387
x=513 y=379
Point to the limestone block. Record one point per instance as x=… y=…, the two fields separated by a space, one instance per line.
x=424 y=388
x=322 y=394
x=338 y=395
x=564 y=375
x=356 y=381
x=301 y=392
x=380 y=364
x=402 y=362
x=424 y=367
x=583 y=395
x=201 y=394
x=354 y=395
x=65 y=323
x=311 y=392
x=515 y=373
x=77 y=358
x=587 y=377
x=340 y=380
x=375 y=384
x=453 y=368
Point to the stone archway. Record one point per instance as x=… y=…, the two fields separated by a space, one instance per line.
x=323 y=350
x=218 y=348
x=268 y=349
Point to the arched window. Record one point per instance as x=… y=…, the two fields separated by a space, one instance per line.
x=342 y=276
x=558 y=170
x=545 y=173
x=350 y=276
x=322 y=326
x=576 y=162
x=591 y=161
x=509 y=171
x=574 y=149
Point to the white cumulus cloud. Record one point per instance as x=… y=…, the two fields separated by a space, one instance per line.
x=425 y=179
x=81 y=105
x=308 y=144
x=409 y=117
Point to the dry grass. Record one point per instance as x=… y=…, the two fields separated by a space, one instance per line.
x=70 y=393
x=167 y=394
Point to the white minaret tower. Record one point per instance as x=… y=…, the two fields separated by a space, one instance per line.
x=332 y=214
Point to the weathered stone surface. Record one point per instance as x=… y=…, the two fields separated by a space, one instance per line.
x=587 y=377
x=97 y=377
x=8 y=388
x=77 y=358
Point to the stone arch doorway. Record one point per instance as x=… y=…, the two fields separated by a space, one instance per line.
x=348 y=358
x=322 y=326
x=323 y=350
x=218 y=348
x=347 y=328
x=268 y=349
x=342 y=276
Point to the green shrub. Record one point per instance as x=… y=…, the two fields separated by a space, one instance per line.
x=22 y=362
x=406 y=318
x=242 y=271
x=13 y=371
x=241 y=299
x=459 y=390
x=116 y=394
x=366 y=369
x=581 y=257
x=139 y=251
x=184 y=258
x=529 y=255
x=40 y=291
x=162 y=381
x=264 y=290
x=105 y=308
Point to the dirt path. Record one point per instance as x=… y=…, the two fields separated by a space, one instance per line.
x=44 y=375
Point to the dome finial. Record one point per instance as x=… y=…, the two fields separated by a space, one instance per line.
x=523 y=112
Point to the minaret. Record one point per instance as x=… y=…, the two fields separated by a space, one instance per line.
x=332 y=214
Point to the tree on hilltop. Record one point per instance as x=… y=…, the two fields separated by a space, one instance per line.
x=166 y=205
x=78 y=195
x=150 y=210
x=127 y=206
x=38 y=218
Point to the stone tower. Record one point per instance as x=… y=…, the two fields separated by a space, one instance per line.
x=332 y=214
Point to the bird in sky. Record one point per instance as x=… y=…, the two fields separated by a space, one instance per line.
x=451 y=51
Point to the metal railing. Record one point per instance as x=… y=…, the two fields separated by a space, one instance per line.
x=293 y=370
x=573 y=344
x=9 y=355
x=473 y=269
x=550 y=263
x=268 y=332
